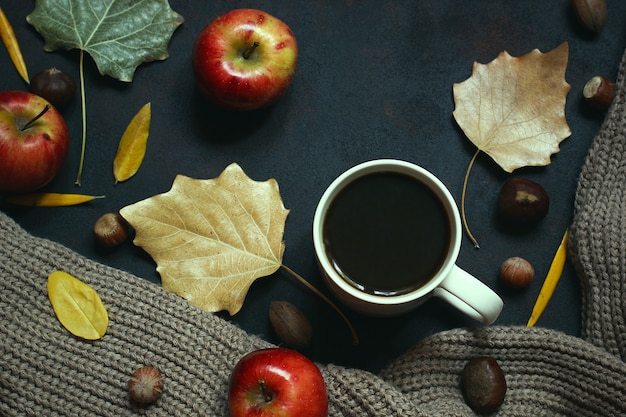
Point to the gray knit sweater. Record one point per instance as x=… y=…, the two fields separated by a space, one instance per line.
x=44 y=371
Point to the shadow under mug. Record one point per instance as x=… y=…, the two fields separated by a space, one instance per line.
x=448 y=282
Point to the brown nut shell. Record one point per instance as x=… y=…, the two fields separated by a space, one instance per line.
x=590 y=13
x=598 y=92
x=55 y=86
x=517 y=272
x=145 y=385
x=291 y=326
x=110 y=230
x=523 y=201
x=483 y=384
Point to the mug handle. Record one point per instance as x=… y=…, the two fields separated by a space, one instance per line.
x=470 y=296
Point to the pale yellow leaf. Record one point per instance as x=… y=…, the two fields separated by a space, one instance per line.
x=211 y=239
x=77 y=306
x=513 y=108
x=132 y=147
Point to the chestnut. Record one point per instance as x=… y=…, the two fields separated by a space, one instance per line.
x=483 y=384
x=598 y=92
x=55 y=86
x=523 y=201
x=591 y=14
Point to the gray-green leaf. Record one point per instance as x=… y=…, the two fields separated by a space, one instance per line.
x=118 y=34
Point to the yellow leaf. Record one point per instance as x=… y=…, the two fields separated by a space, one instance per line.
x=77 y=306
x=513 y=109
x=211 y=239
x=50 y=199
x=549 y=285
x=132 y=147
x=10 y=42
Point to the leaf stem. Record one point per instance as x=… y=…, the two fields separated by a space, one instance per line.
x=84 y=118
x=355 y=337
x=463 y=217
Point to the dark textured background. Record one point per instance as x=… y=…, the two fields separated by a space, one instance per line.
x=374 y=80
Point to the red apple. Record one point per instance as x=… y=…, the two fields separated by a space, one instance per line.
x=34 y=141
x=277 y=382
x=244 y=59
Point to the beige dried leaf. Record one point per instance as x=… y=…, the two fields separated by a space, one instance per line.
x=211 y=239
x=513 y=108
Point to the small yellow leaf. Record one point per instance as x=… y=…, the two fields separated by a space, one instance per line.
x=513 y=108
x=10 y=42
x=50 y=199
x=211 y=239
x=549 y=285
x=77 y=306
x=132 y=147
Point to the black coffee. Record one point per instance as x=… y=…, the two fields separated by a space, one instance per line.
x=386 y=233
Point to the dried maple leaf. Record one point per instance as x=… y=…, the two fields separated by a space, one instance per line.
x=513 y=109
x=211 y=239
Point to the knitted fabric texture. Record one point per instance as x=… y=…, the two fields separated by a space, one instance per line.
x=44 y=371
x=598 y=232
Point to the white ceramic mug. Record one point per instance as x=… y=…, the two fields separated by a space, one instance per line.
x=450 y=283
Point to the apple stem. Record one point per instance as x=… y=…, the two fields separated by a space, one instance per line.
x=266 y=395
x=34 y=119
x=246 y=54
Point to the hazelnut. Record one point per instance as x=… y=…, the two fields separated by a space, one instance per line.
x=291 y=326
x=598 y=92
x=483 y=384
x=590 y=13
x=523 y=201
x=110 y=230
x=517 y=272
x=145 y=385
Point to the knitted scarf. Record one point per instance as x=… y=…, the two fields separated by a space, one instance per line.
x=44 y=371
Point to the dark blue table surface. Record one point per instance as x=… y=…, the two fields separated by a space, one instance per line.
x=374 y=79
